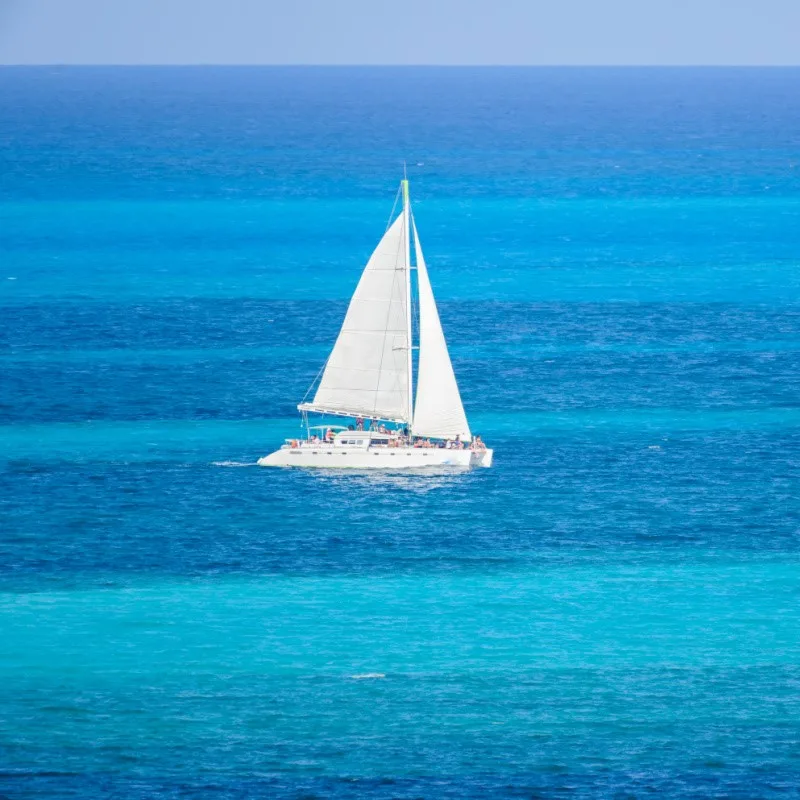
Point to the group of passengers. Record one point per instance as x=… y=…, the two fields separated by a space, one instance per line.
x=370 y=426
x=451 y=444
x=399 y=438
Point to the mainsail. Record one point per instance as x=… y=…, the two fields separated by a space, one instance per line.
x=438 y=411
x=368 y=371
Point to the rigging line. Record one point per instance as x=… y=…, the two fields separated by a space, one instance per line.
x=313 y=383
x=394 y=206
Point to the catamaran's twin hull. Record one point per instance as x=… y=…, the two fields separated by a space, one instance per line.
x=384 y=458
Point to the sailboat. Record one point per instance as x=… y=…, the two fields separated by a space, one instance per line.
x=368 y=377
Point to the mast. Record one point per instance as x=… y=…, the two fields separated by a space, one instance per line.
x=409 y=337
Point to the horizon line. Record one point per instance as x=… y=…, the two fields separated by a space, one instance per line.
x=199 y=64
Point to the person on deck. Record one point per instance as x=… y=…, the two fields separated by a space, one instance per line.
x=359 y=423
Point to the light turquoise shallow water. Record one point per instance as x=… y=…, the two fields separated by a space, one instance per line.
x=649 y=249
x=573 y=669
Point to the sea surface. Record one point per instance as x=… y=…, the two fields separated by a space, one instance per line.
x=612 y=611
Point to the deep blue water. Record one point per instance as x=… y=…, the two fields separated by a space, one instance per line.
x=613 y=610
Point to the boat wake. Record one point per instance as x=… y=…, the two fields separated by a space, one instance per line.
x=420 y=481
x=234 y=463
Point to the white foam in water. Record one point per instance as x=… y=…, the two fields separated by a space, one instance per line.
x=368 y=676
x=235 y=463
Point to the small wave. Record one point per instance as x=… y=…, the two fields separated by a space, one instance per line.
x=368 y=676
x=234 y=463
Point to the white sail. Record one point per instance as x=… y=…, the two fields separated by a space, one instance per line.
x=367 y=373
x=438 y=411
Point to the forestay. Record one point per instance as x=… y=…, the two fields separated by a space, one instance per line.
x=367 y=371
x=438 y=411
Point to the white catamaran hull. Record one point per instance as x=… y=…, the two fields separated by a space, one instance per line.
x=384 y=458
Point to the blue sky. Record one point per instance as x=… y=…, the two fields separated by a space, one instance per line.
x=694 y=32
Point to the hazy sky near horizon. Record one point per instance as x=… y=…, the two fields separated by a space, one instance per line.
x=580 y=32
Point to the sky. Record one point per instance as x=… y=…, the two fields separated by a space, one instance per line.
x=475 y=32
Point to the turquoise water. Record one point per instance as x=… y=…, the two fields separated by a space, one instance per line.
x=612 y=610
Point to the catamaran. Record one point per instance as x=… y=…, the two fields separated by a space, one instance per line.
x=368 y=377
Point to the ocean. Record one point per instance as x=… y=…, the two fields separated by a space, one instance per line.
x=612 y=610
